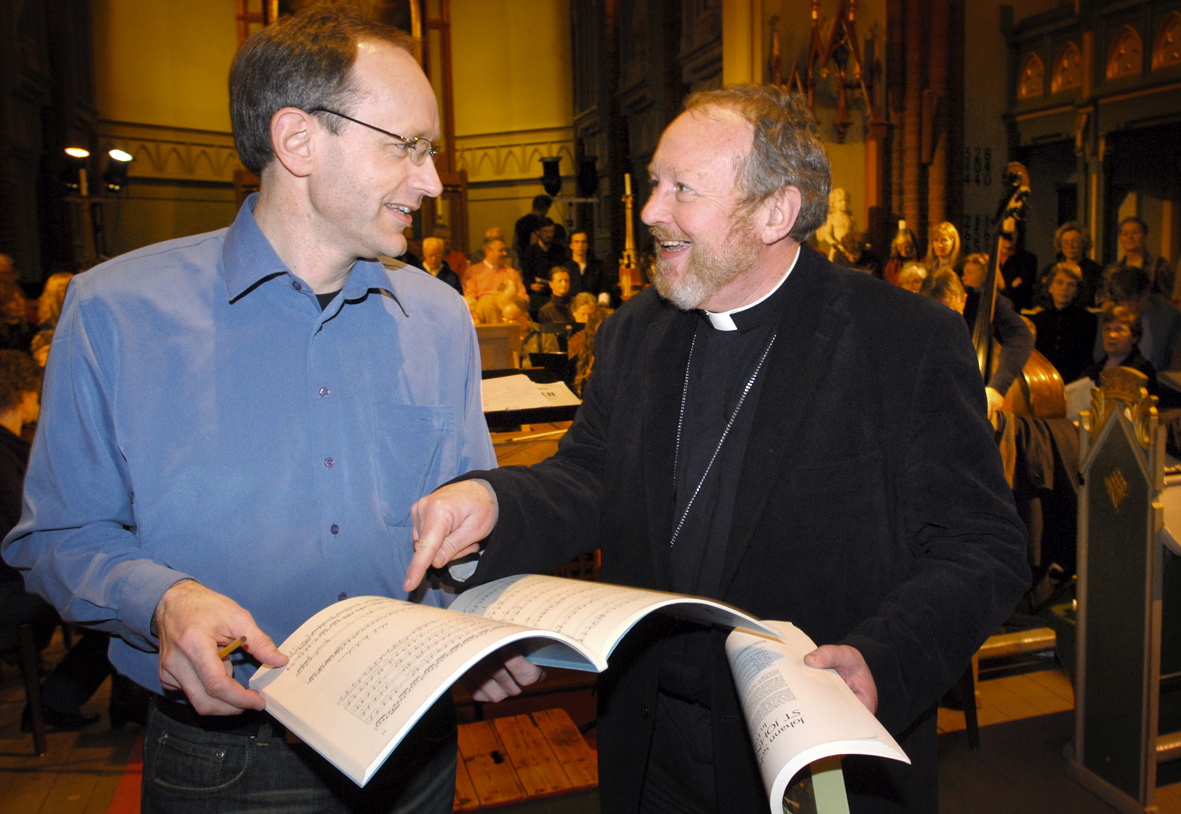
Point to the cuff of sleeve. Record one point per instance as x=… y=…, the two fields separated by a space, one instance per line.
x=139 y=599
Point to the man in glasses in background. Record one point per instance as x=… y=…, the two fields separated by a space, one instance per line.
x=238 y=423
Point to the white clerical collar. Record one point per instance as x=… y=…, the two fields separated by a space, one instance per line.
x=723 y=321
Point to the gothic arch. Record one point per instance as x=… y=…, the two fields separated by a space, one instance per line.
x=1126 y=57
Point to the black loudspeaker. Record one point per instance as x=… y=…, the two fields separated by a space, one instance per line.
x=551 y=177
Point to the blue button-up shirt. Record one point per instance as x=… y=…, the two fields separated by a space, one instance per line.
x=202 y=417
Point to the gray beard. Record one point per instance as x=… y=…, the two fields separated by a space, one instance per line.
x=707 y=272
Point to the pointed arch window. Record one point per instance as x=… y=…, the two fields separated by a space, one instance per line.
x=1031 y=83
x=1068 y=69
x=1126 y=57
x=1167 y=51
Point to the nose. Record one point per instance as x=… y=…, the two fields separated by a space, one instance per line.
x=654 y=210
x=428 y=179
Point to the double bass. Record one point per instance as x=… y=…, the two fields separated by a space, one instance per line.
x=1038 y=392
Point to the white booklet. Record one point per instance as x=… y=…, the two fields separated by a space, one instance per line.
x=363 y=671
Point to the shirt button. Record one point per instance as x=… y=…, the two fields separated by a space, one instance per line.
x=335 y=529
x=324 y=392
x=342 y=596
x=297 y=285
x=328 y=462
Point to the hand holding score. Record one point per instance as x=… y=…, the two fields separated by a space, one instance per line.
x=448 y=524
x=851 y=666
x=193 y=622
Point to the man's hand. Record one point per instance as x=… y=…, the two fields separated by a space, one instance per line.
x=996 y=399
x=449 y=524
x=194 y=622
x=500 y=676
x=851 y=666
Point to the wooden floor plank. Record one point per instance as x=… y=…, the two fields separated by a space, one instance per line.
x=578 y=759
x=465 y=792
x=491 y=773
x=539 y=771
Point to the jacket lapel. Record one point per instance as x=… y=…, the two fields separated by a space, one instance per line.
x=813 y=319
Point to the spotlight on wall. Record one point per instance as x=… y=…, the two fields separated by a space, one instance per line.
x=115 y=176
x=551 y=176
x=74 y=174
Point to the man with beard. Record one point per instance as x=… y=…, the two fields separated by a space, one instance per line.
x=763 y=427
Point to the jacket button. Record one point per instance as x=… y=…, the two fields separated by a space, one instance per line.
x=644 y=711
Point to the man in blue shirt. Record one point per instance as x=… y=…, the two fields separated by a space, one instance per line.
x=237 y=423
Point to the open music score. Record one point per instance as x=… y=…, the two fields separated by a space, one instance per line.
x=363 y=671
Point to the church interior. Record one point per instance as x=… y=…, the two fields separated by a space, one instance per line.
x=117 y=135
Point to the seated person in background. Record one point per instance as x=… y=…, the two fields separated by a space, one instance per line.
x=16 y=332
x=1065 y=330
x=583 y=307
x=456 y=259
x=435 y=264
x=49 y=304
x=1160 y=322
x=911 y=277
x=1132 y=234
x=585 y=357
x=1120 y=330
x=1071 y=243
x=484 y=277
x=409 y=257
x=975 y=270
x=558 y=307
x=489 y=309
x=943 y=247
x=1008 y=328
x=903 y=250
x=1018 y=269
x=39 y=347
x=84 y=667
x=532 y=339
x=596 y=276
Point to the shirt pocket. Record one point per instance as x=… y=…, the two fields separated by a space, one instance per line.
x=415 y=449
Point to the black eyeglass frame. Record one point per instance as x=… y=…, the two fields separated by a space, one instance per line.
x=417 y=156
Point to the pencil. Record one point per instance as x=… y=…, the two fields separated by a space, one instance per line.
x=231 y=647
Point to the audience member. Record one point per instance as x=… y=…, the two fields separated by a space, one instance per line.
x=537 y=260
x=484 y=277
x=456 y=259
x=49 y=305
x=525 y=230
x=435 y=264
x=1120 y=330
x=1160 y=322
x=585 y=355
x=904 y=248
x=1072 y=243
x=1008 y=328
x=943 y=247
x=974 y=272
x=39 y=347
x=1018 y=270
x=16 y=332
x=1065 y=329
x=84 y=667
x=911 y=277
x=489 y=309
x=596 y=276
x=558 y=307
x=533 y=340
x=582 y=306
x=1132 y=235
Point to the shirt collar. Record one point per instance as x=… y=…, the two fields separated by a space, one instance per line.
x=248 y=259
x=751 y=314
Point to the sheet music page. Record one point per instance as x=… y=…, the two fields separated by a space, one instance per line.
x=517 y=392
x=797 y=714
x=361 y=673
x=593 y=613
x=557 y=394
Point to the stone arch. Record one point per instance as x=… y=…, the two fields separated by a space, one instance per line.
x=1126 y=55
x=1068 y=69
x=1031 y=81
x=1167 y=51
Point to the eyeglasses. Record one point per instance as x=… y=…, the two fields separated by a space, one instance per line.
x=417 y=149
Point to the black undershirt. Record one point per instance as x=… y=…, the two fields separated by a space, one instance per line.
x=325 y=299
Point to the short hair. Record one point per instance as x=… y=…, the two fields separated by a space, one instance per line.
x=944 y=286
x=1134 y=219
x=18 y=374
x=582 y=232
x=584 y=298
x=1063 y=268
x=304 y=61
x=544 y=223
x=914 y=268
x=490 y=240
x=786 y=149
x=431 y=241
x=560 y=270
x=1127 y=282
x=542 y=202
x=1121 y=313
x=976 y=258
x=1071 y=226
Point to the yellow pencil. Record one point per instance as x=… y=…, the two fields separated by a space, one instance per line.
x=231 y=647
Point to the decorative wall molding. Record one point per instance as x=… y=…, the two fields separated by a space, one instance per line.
x=172 y=153
x=506 y=157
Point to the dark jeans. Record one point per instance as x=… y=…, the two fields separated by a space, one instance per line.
x=201 y=770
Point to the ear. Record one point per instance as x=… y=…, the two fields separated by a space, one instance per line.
x=778 y=214
x=292 y=135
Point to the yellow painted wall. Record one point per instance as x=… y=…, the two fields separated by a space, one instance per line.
x=188 y=47
x=513 y=88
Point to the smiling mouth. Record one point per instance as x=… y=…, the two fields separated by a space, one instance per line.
x=405 y=210
x=674 y=245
